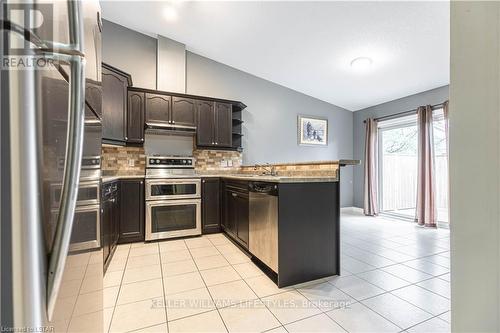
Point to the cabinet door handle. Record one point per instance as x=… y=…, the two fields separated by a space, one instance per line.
x=173 y=121
x=234 y=195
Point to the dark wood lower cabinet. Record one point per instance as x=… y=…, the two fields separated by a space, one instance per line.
x=235 y=211
x=122 y=214
x=110 y=219
x=210 y=205
x=132 y=211
x=241 y=201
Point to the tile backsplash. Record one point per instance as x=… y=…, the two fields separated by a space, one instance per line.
x=122 y=161
x=217 y=160
x=314 y=168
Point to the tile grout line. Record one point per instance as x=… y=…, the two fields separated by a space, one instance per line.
x=322 y=311
x=206 y=287
x=410 y=282
x=356 y=275
x=119 y=290
x=390 y=292
x=259 y=298
x=390 y=249
x=387 y=292
x=78 y=295
x=384 y=293
x=163 y=288
x=398 y=262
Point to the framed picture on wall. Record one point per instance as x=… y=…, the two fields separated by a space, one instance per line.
x=312 y=131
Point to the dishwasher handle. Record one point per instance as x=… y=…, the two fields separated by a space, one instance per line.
x=264 y=188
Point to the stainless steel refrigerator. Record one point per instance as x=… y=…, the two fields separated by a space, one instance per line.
x=50 y=137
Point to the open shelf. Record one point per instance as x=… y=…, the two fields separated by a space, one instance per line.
x=237 y=121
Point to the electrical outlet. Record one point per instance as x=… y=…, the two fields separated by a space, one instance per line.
x=223 y=163
x=131 y=162
x=230 y=163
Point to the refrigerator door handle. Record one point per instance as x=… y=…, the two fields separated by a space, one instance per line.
x=73 y=157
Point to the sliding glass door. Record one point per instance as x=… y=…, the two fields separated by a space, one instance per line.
x=441 y=165
x=398 y=160
x=398 y=166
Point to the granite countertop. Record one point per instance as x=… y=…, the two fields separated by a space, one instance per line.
x=263 y=178
x=275 y=179
x=107 y=179
x=349 y=162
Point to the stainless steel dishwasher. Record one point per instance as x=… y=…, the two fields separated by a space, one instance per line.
x=263 y=216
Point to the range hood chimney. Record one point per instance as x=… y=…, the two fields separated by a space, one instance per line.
x=170 y=65
x=170 y=77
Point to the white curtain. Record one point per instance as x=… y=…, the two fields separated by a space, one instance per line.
x=426 y=212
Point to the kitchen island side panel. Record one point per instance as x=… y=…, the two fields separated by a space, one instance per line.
x=308 y=232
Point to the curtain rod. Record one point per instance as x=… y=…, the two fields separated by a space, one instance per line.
x=404 y=113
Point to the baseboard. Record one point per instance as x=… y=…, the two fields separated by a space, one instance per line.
x=351 y=210
x=443 y=225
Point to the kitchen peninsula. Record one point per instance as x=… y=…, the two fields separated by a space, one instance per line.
x=288 y=221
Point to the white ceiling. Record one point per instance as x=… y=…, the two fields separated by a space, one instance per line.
x=308 y=46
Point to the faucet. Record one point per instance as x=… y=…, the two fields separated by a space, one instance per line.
x=269 y=169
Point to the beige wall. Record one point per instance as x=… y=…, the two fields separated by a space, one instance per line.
x=474 y=166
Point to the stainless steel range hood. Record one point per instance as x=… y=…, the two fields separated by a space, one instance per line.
x=169 y=128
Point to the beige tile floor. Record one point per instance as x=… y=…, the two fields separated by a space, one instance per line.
x=395 y=277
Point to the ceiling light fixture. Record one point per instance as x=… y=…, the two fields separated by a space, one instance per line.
x=170 y=13
x=361 y=64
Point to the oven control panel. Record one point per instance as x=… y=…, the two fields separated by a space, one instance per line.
x=169 y=162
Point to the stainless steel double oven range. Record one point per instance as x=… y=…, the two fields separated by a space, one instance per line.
x=173 y=198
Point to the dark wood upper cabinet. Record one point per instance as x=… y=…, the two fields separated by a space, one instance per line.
x=158 y=108
x=132 y=210
x=183 y=112
x=114 y=103
x=93 y=96
x=214 y=125
x=205 y=123
x=135 y=117
x=210 y=205
x=216 y=122
x=224 y=125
